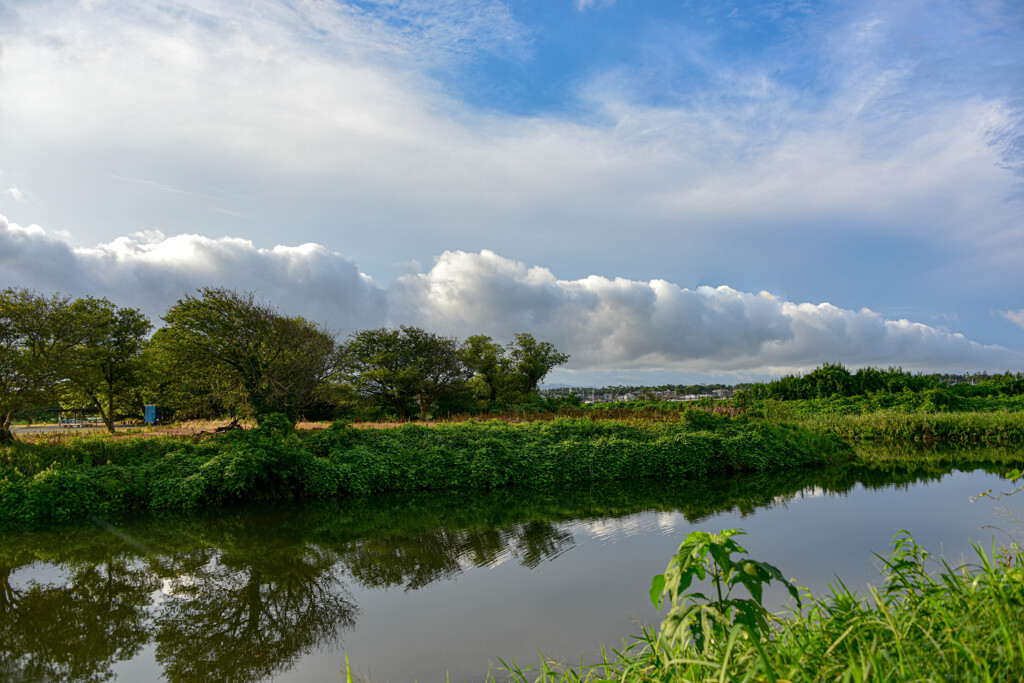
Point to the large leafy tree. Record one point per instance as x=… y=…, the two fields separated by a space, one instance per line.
x=487 y=359
x=278 y=363
x=107 y=364
x=511 y=373
x=188 y=389
x=37 y=336
x=401 y=365
x=532 y=360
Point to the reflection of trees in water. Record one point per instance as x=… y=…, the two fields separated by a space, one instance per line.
x=242 y=596
x=242 y=613
x=418 y=560
x=78 y=629
x=242 y=620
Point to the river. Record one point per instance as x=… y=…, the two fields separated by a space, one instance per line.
x=420 y=587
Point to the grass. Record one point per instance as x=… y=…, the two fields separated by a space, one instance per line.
x=928 y=622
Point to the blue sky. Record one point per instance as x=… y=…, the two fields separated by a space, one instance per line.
x=385 y=162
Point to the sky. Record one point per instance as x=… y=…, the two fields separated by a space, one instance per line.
x=672 y=191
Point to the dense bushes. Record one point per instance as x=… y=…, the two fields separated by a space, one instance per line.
x=82 y=477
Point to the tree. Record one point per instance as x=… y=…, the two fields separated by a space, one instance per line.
x=831 y=379
x=532 y=360
x=37 y=335
x=488 y=360
x=185 y=388
x=398 y=366
x=108 y=361
x=279 y=364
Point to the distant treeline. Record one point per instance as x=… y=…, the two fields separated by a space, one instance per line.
x=225 y=352
x=832 y=379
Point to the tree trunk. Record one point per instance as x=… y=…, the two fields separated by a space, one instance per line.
x=110 y=414
x=104 y=415
x=423 y=407
x=5 y=430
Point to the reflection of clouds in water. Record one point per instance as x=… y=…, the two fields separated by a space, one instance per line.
x=179 y=584
x=669 y=523
x=469 y=561
x=41 y=574
x=611 y=529
x=809 y=492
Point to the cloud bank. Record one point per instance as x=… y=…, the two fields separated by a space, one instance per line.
x=605 y=324
x=151 y=271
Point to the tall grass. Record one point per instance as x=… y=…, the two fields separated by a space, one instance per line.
x=892 y=426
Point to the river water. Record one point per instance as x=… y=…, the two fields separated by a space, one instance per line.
x=427 y=586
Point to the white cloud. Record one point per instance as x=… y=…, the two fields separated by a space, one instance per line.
x=15 y=193
x=1015 y=317
x=584 y=5
x=620 y=323
x=338 y=110
x=605 y=324
x=151 y=271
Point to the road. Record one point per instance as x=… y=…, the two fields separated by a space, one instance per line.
x=45 y=429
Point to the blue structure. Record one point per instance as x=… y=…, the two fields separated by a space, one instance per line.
x=152 y=414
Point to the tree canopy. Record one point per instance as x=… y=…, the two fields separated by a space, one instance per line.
x=400 y=365
x=276 y=363
x=224 y=351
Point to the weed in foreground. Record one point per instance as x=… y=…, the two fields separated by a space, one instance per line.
x=963 y=623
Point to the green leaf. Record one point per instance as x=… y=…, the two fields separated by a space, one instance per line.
x=657 y=588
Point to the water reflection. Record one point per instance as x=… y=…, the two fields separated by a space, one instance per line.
x=244 y=594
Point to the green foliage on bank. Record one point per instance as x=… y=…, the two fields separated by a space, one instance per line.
x=858 y=420
x=928 y=621
x=76 y=478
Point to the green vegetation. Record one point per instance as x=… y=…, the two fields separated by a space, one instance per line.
x=228 y=353
x=894 y=406
x=928 y=621
x=264 y=362
x=80 y=477
x=85 y=350
x=832 y=379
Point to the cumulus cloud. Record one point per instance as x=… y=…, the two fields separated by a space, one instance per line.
x=606 y=324
x=620 y=323
x=151 y=271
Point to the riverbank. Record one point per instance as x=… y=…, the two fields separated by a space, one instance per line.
x=76 y=478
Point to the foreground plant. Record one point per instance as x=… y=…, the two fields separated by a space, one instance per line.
x=962 y=624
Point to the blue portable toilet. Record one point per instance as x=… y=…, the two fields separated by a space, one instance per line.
x=152 y=414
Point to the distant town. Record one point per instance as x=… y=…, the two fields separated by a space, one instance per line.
x=668 y=392
x=695 y=392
